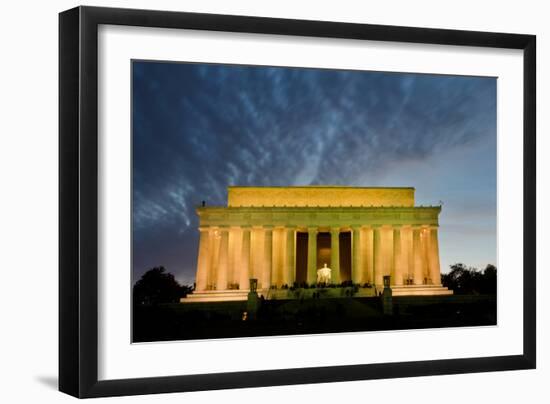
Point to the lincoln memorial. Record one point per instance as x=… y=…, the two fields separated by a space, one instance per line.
x=294 y=239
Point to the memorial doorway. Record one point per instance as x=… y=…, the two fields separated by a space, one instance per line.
x=323 y=256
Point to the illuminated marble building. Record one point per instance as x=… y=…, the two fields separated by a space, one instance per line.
x=281 y=236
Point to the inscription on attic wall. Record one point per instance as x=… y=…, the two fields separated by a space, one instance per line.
x=319 y=196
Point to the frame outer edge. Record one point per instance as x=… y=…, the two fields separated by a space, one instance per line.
x=88 y=203
x=529 y=202
x=78 y=202
x=69 y=80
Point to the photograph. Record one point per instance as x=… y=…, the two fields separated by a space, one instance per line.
x=272 y=200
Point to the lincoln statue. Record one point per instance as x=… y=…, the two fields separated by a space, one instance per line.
x=289 y=238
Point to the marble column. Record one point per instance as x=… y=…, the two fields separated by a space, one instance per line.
x=356 y=269
x=397 y=276
x=256 y=253
x=424 y=240
x=233 y=256
x=435 y=269
x=221 y=276
x=277 y=270
x=408 y=251
x=312 y=255
x=213 y=258
x=282 y=274
x=335 y=255
x=417 y=253
x=377 y=271
x=387 y=248
x=289 y=273
x=203 y=260
x=367 y=242
x=268 y=258
x=244 y=277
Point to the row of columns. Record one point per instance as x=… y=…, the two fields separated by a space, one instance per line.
x=229 y=257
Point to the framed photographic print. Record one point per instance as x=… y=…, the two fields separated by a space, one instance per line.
x=250 y=201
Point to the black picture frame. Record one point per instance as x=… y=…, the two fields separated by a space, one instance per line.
x=78 y=201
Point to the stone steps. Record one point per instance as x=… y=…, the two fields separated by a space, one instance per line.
x=420 y=290
x=279 y=294
x=215 y=296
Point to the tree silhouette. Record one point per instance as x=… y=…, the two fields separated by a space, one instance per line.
x=469 y=280
x=489 y=281
x=158 y=286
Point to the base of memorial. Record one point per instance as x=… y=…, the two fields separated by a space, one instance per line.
x=420 y=290
x=314 y=293
x=215 y=296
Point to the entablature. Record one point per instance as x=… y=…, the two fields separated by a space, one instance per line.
x=318 y=216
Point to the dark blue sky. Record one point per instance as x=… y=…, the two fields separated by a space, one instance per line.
x=198 y=128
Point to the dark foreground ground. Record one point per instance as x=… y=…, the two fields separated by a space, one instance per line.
x=290 y=317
